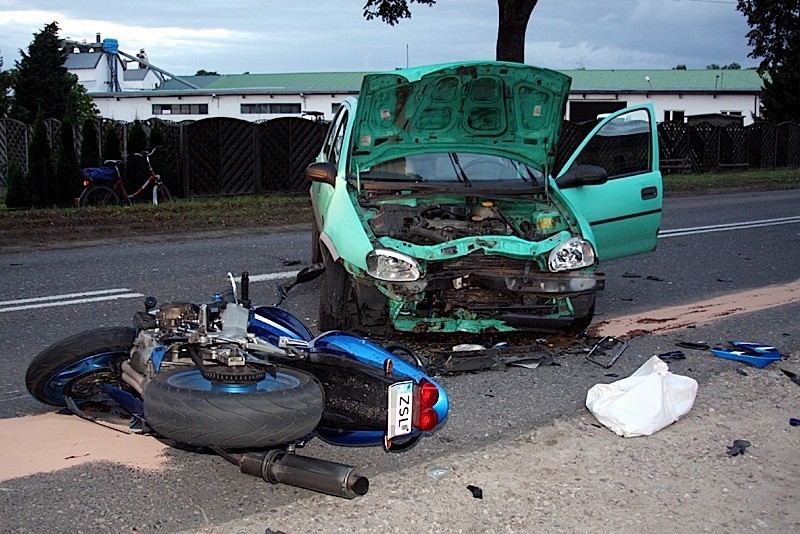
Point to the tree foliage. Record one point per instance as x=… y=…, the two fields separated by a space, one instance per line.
x=135 y=166
x=204 y=72
x=41 y=174
x=774 y=38
x=729 y=66
x=391 y=11
x=18 y=194
x=90 y=144
x=43 y=84
x=6 y=82
x=513 y=18
x=68 y=172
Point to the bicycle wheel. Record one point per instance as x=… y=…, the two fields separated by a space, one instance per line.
x=98 y=195
x=161 y=194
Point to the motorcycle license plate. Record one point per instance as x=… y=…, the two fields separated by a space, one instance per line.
x=401 y=409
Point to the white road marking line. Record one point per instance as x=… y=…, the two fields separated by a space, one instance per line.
x=64 y=296
x=726 y=227
x=68 y=302
x=270 y=276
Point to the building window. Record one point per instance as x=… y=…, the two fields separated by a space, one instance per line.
x=180 y=109
x=249 y=109
x=582 y=111
x=731 y=112
x=674 y=115
x=335 y=108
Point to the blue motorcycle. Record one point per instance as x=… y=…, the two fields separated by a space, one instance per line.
x=251 y=383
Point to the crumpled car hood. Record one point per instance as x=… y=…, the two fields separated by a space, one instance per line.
x=507 y=109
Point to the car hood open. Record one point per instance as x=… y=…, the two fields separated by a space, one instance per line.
x=507 y=109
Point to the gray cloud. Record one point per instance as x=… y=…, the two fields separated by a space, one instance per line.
x=267 y=36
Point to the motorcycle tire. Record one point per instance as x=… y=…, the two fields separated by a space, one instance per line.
x=337 y=307
x=182 y=405
x=98 y=195
x=82 y=362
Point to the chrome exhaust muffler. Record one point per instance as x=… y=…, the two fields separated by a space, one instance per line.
x=280 y=466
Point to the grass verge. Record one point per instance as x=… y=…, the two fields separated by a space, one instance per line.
x=22 y=228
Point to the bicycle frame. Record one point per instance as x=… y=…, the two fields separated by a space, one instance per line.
x=117 y=185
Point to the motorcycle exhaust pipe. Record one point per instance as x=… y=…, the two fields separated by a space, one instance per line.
x=279 y=466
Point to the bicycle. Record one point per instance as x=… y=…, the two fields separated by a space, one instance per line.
x=103 y=186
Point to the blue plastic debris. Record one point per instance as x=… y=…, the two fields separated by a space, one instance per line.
x=755 y=354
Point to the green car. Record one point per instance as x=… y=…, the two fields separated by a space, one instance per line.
x=435 y=207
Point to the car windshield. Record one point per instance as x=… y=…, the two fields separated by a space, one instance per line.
x=455 y=167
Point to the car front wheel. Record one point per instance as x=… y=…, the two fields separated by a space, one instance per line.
x=337 y=300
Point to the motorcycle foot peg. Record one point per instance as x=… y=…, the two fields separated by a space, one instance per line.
x=331 y=478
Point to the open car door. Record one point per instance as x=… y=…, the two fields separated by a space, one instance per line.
x=624 y=212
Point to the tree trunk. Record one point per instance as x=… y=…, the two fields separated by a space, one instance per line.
x=513 y=22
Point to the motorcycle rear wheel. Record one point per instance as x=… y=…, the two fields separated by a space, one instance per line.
x=182 y=405
x=80 y=363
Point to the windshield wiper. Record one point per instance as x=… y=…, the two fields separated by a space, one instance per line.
x=460 y=174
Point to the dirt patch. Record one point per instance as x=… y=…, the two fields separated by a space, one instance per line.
x=71 y=441
x=576 y=477
x=676 y=317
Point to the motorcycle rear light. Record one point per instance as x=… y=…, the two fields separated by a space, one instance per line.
x=86 y=182
x=428 y=394
x=427 y=420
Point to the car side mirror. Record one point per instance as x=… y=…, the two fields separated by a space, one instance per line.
x=579 y=175
x=324 y=173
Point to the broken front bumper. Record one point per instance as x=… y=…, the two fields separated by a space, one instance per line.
x=480 y=302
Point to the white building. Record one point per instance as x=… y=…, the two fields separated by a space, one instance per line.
x=100 y=68
x=125 y=93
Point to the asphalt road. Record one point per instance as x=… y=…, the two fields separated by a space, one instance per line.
x=693 y=262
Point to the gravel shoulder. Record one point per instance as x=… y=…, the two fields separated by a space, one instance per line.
x=573 y=476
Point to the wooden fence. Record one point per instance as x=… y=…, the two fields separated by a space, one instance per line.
x=225 y=156
x=216 y=156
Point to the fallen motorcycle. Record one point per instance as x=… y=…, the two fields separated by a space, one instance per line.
x=250 y=383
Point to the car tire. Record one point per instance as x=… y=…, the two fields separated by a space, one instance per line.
x=582 y=322
x=316 y=251
x=337 y=307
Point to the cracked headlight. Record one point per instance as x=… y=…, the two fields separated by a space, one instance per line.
x=571 y=254
x=392 y=266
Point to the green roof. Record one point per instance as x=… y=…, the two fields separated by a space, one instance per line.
x=634 y=80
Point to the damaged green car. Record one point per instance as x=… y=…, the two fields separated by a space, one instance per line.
x=435 y=208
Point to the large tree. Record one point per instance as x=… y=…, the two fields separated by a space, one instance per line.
x=43 y=85
x=6 y=81
x=775 y=39
x=513 y=18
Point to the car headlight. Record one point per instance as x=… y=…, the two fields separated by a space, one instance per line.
x=571 y=254
x=392 y=266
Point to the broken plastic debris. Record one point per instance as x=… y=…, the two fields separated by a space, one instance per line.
x=468 y=346
x=672 y=355
x=794 y=422
x=696 y=345
x=792 y=376
x=476 y=491
x=438 y=473
x=755 y=354
x=606 y=344
x=738 y=447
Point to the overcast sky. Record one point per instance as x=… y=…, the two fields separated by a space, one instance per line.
x=262 y=36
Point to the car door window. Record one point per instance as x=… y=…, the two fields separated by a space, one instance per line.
x=622 y=146
x=333 y=145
